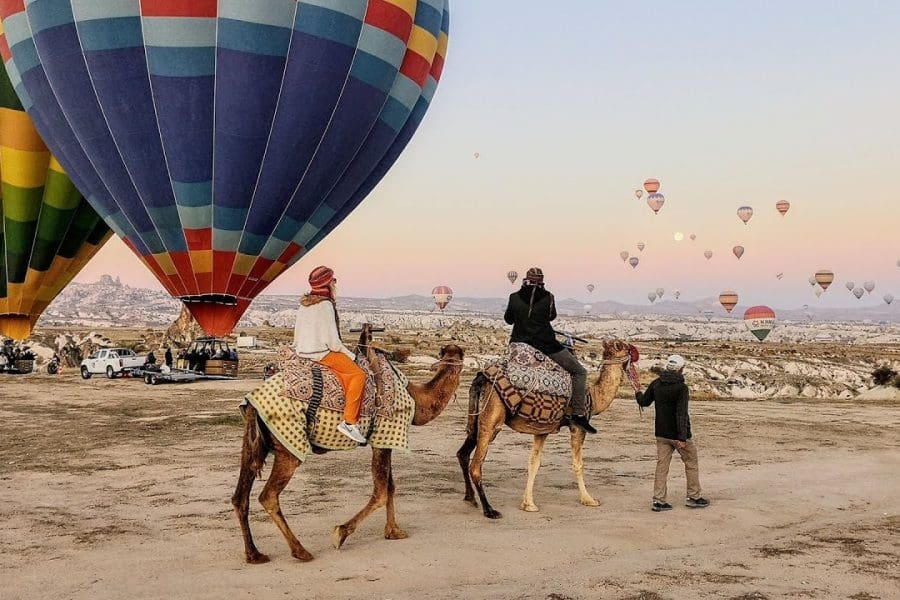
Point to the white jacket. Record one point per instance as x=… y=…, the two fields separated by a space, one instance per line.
x=316 y=333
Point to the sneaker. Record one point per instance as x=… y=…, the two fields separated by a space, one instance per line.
x=696 y=502
x=660 y=506
x=582 y=422
x=352 y=432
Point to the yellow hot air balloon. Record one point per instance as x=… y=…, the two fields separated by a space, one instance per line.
x=824 y=278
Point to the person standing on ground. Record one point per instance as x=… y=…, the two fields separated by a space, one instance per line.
x=673 y=432
x=168 y=357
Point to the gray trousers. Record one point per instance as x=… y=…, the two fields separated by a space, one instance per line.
x=569 y=362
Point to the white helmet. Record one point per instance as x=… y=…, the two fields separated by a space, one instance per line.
x=675 y=363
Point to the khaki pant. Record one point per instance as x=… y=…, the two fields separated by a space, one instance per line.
x=664 y=450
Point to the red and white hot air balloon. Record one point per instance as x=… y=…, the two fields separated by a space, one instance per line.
x=442 y=295
x=760 y=320
x=783 y=206
x=738 y=251
x=651 y=185
x=745 y=213
x=728 y=299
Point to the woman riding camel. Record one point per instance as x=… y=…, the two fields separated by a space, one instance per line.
x=317 y=336
x=530 y=312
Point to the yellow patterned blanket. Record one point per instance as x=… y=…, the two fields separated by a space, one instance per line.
x=285 y=418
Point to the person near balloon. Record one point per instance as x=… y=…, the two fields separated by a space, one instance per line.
x=317 y=336
x=530 y=311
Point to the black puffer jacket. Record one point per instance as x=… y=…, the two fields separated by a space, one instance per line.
x=531 y=315
x=671 y=395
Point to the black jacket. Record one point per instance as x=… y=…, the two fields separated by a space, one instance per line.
x=671 y=395
x=532 y=326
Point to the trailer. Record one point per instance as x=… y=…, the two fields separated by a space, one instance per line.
x=156 y=376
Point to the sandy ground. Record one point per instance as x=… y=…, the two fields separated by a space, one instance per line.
x=114 y=489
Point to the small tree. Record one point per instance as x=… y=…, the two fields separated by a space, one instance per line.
x=884 y=375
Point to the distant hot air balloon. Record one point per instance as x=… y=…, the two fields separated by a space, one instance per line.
x=693 y=237
x=818 y=292
x=824 y=278
x=738 y=251
x=760 y=320
x=849 y=285
x=812 y=280
x=624 y=255
x=639 y=194
x=708 y=254
x=779 y=275
x=587 y=308
x=224 y=140
x=442 y=295
x=512 y=276
x=679 y=236
x=888 y=298
x=48 y=231
x=651 y=297
x=728 y=300
x=660 y=292
x=783 y=206
x=641 y=246
x=656 y=201
x=677 y=294
x=869 y=286
x=477 y=155
x=744 y=213
x=634 y=261
x=708 y=314
x=651 y=185
x=590 y=287
x=858 y=292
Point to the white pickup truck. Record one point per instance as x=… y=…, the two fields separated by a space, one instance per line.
x=112 y=361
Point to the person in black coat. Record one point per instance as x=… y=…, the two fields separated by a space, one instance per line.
x=530 y=311
x=673 y=432
x=168 y=357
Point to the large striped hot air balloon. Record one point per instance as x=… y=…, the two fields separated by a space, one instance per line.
x=824 y=278
x=48 y=232
x=783 y=206
x=760 y=320
x=442 y=295
x=651 y=185
x=223 y=139
x=728 y=300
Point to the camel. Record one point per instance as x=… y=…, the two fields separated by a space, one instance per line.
x=485 y=423
x=430 y=398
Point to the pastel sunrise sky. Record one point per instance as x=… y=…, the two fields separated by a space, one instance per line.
x=572 y=106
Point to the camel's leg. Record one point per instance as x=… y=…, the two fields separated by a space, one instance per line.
x=241 y=498
x=391 y=530
x=534 y=463
x=282 y=470
x=463 y=455
x=578 y=466
x=381 y=471
x=489 y=424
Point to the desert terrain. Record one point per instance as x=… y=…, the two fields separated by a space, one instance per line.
x=114 y=489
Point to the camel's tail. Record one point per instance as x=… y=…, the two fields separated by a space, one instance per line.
x=257 y=441
x=476 y=390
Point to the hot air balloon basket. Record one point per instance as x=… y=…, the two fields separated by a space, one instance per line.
x=303 y=405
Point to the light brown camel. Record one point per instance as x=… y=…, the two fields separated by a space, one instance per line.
x=488 y=414
x=430 y=398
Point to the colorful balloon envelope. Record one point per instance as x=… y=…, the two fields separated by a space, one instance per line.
x=651 y=185
x=728 y=300
x=442 y=295
x=623 y=255
x=48 y=231
x=783 y=206
x=512 y=276
x=738 y=251
x=222 y=140
x=634 y=261
x=824 y=278
x=869 y=286
x=656 y=201
x=888 y=298
x=745 y=213
x=708 y=254
x=760 y=320
x=858 y=292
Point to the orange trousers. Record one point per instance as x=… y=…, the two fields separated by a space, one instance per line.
x=353 y=380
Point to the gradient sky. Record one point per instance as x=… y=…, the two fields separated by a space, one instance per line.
x=727 y=103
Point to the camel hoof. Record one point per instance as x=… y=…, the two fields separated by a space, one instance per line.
x=257 y=558
x=493 y=514
x=528 y=507
x=339 y=536
x=302 y=555
x=395 y=534
x=590 y=502
x=471 y=500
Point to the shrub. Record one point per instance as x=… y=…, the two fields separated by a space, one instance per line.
x=884 y=375
x=400 y=355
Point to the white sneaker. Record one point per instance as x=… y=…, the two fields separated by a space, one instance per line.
x=352 y=432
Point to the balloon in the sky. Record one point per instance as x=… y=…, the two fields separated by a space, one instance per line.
x=783 y=206
x=812 y=280
x=677 y=294
x=760 y=320
x=849 y=285
x=818 y=292
x=708 y=314
x=744 y=213
x=587 y=308
x=590 y=287
x=779 y=276
x=48 y=231
x=858 y=292
x=888 y=298
x=651 y=297
x=641 y=246
x=634 y=261
x=728 y=300
x=477 y=155
x=639 y=194
x=738 y=251
x=869 y=286
x=679 y=236
x=656 y=201
x=824 y=277
x=693 y=237
x=624 y=255
x=512 y=276
x=442 y=295
x=651 y=185
x=660 y=292
x=224 y=140
x=708 y=254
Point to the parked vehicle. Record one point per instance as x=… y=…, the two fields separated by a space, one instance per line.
x=112 y=362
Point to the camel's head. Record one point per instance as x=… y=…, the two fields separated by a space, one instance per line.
x=451 y=356
x=616 y=350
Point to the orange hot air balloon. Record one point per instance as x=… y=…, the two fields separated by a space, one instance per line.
x=442 y=295
x=651 y=185
x=824 y=278
x=728 y=300
x=738 y=251
x=656 y=201
x=783 y=206
x=745 y=213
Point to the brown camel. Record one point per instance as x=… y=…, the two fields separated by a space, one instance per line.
x=430 y=398
x=488 y=413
